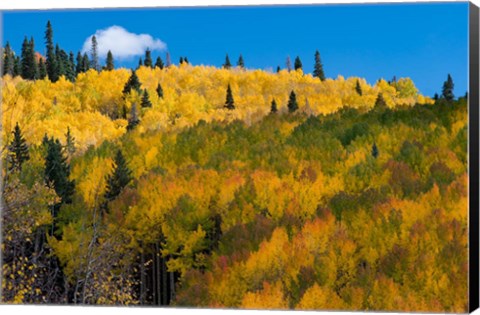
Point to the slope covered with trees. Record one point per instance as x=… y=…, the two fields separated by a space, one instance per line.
x=228 y=187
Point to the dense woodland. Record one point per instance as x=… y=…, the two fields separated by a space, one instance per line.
x=191 y=185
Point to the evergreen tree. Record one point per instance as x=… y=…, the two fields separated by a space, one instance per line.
x=229 y=102
x=120 y=177
x=180 y=61
x=109 y=62
x=435 y=97
x=358 y=88
x=140 y=63
x=159 y=91
x=227 y=64
x=447 y=90
x=70 y=72
x=8 y=60
x=79 y=68
x=278 y=69
x=18 y=150
x=375 y=150
x=288 y=64
x=17 y=66
x=145 y=99
x=298 y=63
x=69 y=142
x=51 y=63
x=132 y=83
x=94 y=54
x=57 y=171
x=85 y=63
x=62 y=61
x=318 y=67
x=273 y=107
x=240 y=62
x=28 y=61
x=292 y=102
x=148 y=59
x=42 y=69
x=185 y=59
x=133 y=120
x=380 y=101
x=159 y=63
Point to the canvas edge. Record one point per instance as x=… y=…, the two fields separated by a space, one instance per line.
x=473 y=127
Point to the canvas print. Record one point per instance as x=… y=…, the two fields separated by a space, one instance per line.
x=261 y=157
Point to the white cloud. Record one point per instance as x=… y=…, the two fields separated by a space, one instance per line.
x=122 y=43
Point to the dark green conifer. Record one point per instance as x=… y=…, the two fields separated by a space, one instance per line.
x=292 y=102
x=148 y=59
x=18 y=150
x=273 y=107
x=51 y=63
x=42 y=69
x=57 y=171
x=145 y=99
x=8 y=60
x=227 y=64
x=318 y=67
x=358 y=88
x=159 y=91
x=447 y=90
x=380 y=102
x=278 y=69
x=229 y=102
x=120 y=177
x=95 y=64
x=240 y=62
x=298 y=63
x=159 y=63
x=17 y=66
x=132 y=83
x=375 y=150
x=109 y=65
x=85 y=63
x=69 y=142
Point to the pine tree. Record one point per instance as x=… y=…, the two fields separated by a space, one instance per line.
x=318 y=67
x=380 y=101
x=94 y=54
x=278 y=69
x=132 y=83
x=180 y=61
x=273 y=107
x=148 y=59
x=375 y=150
x=79 y=68
x=240 y=62
x=159 y=63
x=358 y=88
x=159 y=91
x=185 y=59
x=447 y=90
x=8 y=60
x=51 y=63
x=292 y=102
x=57 y=171
x=69 y=142
x=229 y=102
x=288 y=64
x=17 y=66
x=42 y=69
x=140 y=63
x=298 y=63
x=120 y=177
x=70 y=68
x=145 y=99
x=435 y=97
x=133 y=120
x=109 y=65
x=18 y=150
x=28 y=61
x=227 y=64
x=61 y=61
x=85 y=63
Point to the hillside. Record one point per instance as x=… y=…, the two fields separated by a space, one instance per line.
x=349 y=202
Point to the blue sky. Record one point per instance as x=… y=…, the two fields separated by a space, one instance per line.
x=421 y=41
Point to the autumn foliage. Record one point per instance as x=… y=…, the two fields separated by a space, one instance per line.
x=245 y=207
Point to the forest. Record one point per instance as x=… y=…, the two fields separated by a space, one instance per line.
x=228 y=187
